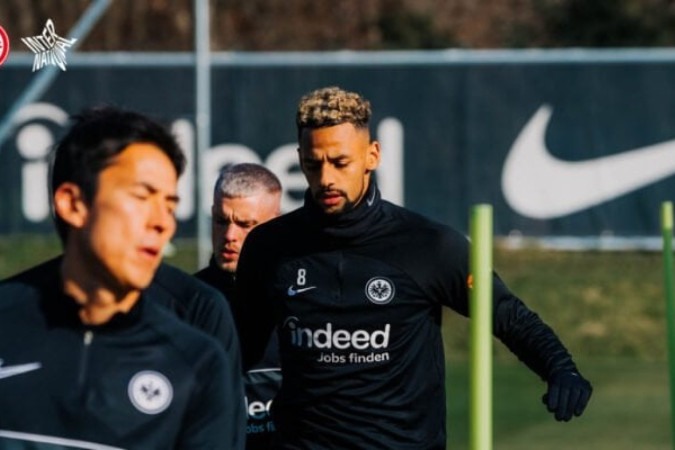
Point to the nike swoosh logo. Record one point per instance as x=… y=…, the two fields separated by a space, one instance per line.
x=291 y=292
x=538 y=185
x=10 y=371
x=51 y=441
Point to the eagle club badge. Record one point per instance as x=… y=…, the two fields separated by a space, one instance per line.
x=380 y=290
x=150 y=392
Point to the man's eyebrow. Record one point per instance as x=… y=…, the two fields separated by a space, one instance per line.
x=153 y=190
x=173 y=198
x=310 y=158
x=245 y=221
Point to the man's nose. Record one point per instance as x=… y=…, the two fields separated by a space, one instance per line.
x=327 y=176
x=231 y=232
x=161 y=217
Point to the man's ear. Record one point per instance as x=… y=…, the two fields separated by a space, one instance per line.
x=373 y=156
x=69 y=205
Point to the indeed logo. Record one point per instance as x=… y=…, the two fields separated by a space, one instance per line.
x=37 y=126
x=259 y=417
x=258 y=410
x=329 y=338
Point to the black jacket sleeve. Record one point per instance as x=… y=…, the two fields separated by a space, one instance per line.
x=527 y=336
x=522 y=331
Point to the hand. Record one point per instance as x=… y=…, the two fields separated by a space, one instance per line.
x=568 y=394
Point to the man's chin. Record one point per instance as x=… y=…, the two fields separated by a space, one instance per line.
x=141 y=275
x=337 y=209
x=227 y=266
x=333 y=212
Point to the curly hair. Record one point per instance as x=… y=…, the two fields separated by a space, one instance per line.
x=331 y=106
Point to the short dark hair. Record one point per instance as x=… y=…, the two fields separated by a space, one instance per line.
x=331 y=106
x=95 y=137
x=243 y=180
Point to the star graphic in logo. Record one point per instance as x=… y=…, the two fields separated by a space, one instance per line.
x=49 y=48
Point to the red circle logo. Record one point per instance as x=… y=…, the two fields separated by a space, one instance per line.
x=4 y=45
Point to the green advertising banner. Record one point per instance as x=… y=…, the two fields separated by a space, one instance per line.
x=563 y=144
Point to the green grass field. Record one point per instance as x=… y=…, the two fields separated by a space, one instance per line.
x=607 y=307
x=629 y=409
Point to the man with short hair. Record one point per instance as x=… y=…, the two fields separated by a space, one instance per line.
x=87 y=357
x=245 y=196
x=355 y=286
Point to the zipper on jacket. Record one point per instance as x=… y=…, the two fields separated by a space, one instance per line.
x=84 y=358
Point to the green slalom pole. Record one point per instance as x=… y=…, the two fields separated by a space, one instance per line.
x=480 y=310
x=667 y=231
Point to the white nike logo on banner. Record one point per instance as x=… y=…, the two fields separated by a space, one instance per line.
x=10 y=371
x=536 y=184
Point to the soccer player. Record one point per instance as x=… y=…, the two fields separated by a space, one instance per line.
x=245 y=196
x=87 y=357
x=356 y=286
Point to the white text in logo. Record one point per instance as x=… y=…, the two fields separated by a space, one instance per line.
x=341 y=339
x=49 y=48
x=38 y=126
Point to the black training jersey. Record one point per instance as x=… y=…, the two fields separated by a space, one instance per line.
x=197 y=303
x=261 y=381
x=144 y=380
x=357 y=300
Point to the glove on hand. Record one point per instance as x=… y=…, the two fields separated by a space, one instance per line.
x=568 y=394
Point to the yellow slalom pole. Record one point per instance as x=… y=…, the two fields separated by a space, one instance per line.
x=480 y=311
x=667 y=232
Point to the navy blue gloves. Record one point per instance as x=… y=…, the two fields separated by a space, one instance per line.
x=568 y=394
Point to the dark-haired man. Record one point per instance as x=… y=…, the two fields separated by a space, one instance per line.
x=356 y=286
x=87 y=358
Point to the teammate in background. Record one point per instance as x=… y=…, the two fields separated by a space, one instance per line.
x=245 y=196
x=88 y=359
x=355 y=286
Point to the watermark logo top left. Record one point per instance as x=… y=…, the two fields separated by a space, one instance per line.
x=49 y=48
x=4 y=45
